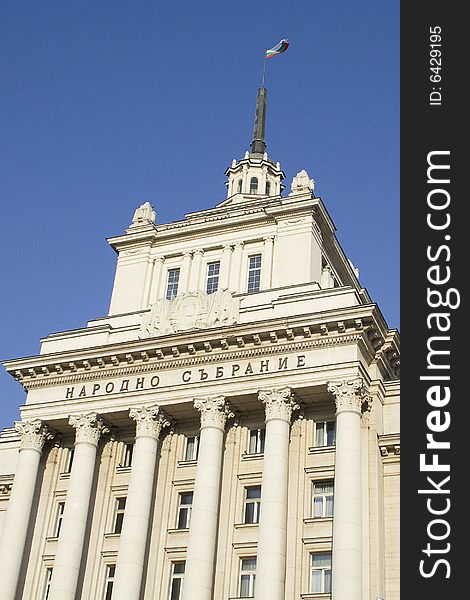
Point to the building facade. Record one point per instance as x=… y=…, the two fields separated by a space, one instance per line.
x=229 y=430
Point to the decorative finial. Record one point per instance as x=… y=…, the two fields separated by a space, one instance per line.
x=302 y=183
x=144 y=215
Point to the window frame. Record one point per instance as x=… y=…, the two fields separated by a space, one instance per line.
x=187 y=508
x=252 y=186
x=324 y=497
x=260 y=440
x=109 y=579
x=254 y=282
x=59 y=516
x=250 y=574
x=256 y=502
x=324 y=425
x=127 y=455
x=176 y=577
x=118 y=517
x=323 y=570
x=171 y=290
x=68 y=462
x=196 y=448
x=212 y=281
x=47 y=582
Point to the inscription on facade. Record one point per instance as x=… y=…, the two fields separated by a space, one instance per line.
x=185 y=375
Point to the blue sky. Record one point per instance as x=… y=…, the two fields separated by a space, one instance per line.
x=108 y=104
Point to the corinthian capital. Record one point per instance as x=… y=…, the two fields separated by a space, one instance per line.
x=150 y=420
x=214 y=411
x=350 y=395
x=88 y=427
x=34 y=434
x=278 y=404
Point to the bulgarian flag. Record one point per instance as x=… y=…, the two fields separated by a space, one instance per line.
x=278 y=49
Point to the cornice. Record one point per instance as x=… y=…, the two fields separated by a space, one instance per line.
x=329 y=328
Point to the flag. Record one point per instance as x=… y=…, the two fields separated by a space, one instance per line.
x=278 y=49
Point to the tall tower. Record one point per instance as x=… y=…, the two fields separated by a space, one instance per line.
x=255 y=175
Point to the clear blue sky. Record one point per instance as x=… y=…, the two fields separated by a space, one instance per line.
x=108 y=104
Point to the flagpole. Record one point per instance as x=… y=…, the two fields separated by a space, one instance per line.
x=264 y=71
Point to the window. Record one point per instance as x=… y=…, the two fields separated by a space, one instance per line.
x=177 y=577
x=69 y=460
x=252 y=504
x=240 y=186
x=320 y=573
x=247 y=577
x=47 y=583
x=256 y=443
x=184 y=509
x=58 y=518
x=128 y=452
x=192 y=448
x=322 y=499
x=254 y=273
x=324 y=433
x=109 y=581
x=213 y=270
x=254 y=185
x=119 y=509
x=172 y=283
x=268 y=188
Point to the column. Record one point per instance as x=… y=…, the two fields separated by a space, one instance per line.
x=184 y=273
x=200 y=560
x=236 y=267
x=131 y=556
x=194 y=284
x=155 y=284
x=225 y=268
x=272 y=534
x=34 y=434
x=267 y=263
x=89 y=428
x=350 y=397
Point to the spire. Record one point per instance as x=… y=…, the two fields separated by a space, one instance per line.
x=258 y=145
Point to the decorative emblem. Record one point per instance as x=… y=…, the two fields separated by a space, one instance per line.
x=190 y=310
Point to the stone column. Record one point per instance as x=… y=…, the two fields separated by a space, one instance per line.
x=267 y=263
x=131 y=556
x=34 y=434
x=272 y=535
x=235 y=272
x=89 y=428
x=350 y=397
x=194 y=284
x=183 y=284
x=225 y=268
x=155 y=285
x=200 y=561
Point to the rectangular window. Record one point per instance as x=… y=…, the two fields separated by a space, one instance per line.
x=69 y=460
x=109 y=581
x=47 y=583
x=254 y=273
x=322 y=499
x=256 y=443
x=184 y=509
x=320 y=573
x=172 y=283
x=247 y=577
x=177 y=578
x=252 y=504
x=119 y=510
x=192 y=448
x=58 y=518
x=127 y=457
x=213 y=270
x=324 y=434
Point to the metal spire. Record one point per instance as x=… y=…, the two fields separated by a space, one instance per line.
x=258 y=145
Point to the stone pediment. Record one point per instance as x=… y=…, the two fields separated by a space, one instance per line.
x=190 y=310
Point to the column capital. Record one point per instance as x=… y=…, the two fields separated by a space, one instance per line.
x=269 y=238
x=215 y=411
x=350 y=395
x=239 y=244
x=279 y=403
x=187 y=254
x=198 y=251
x=88 y=427
x=150 y=420
x=34 y=434
x=160 y=258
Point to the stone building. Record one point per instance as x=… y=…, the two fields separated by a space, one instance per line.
x=229 y=430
